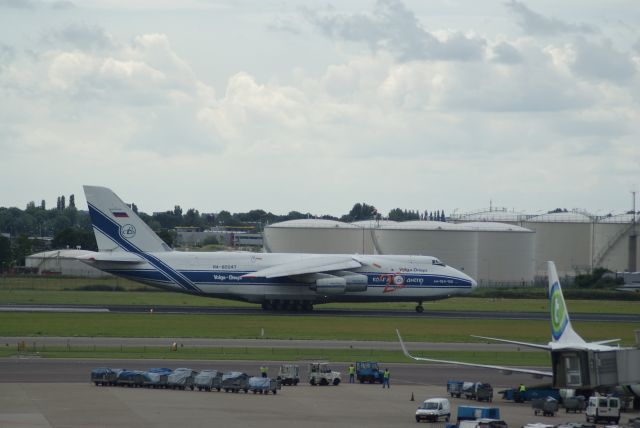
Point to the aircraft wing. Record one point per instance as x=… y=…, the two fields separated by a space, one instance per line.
x=307 y=266
x=504 y=369
x=515 y=342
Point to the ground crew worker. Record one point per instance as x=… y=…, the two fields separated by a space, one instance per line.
x=352 y=374
x=263 y=371
x=385 y=378
x=520 y=396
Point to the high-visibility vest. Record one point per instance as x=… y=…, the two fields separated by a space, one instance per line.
x=522 y=388
x=263 y=369
x=352 y=370
x=386 y=374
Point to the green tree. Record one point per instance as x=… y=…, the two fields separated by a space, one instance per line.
x=5 y=254
x=361 y=212
x=169 y=237
x=23 y=247
x=72 y=237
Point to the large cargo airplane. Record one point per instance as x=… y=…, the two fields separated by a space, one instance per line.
x=129 y=248
x=563 y=336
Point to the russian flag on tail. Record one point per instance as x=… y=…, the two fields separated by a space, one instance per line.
x=120 y=214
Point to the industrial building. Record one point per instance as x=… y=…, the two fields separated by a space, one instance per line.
x=64 y=263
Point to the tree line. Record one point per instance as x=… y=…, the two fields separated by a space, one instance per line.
x=29 y=230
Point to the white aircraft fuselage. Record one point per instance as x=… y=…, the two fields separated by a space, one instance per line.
x=228 y=275
x=129 y=248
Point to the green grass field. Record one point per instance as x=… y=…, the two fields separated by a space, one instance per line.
x=14 y=324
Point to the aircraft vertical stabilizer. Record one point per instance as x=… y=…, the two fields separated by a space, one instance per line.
x=117 y=227
x=562 y=332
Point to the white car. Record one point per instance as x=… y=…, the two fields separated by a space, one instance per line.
x=433 y=409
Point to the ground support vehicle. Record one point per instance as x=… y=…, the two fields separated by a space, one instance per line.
x=208 y=380
x=130 y=378
x=368 y=371
x=288 y=374
x=530 y=394
x=469 y=413
x=433 y=409
x=477 y=391
x=235 y=382
x=454 y=388
x=182 y=378
x=264 y=385
x=547 y=406
x=574 y=404
x=603 y=409
x=103 y=376
x=321 y=374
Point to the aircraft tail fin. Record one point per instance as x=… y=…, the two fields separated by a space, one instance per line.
x=117 y=227
x=561 y=329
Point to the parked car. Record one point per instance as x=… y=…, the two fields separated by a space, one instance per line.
x=433 y=409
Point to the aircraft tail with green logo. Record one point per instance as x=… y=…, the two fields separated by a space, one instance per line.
x=561 y=330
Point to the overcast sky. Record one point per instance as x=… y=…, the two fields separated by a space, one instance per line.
x=316 y=105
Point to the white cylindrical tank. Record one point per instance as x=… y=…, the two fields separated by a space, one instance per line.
x=368 y=245
x=314 y=236
x=566 y=239
x=505 y=253
x=499 y=216
x=611 y=242
x=454 y=244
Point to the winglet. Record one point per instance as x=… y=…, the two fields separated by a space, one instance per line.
x=404 y=348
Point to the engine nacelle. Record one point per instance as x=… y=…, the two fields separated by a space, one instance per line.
x=355 y=282
x=330 y=285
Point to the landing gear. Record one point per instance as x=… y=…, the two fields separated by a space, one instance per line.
x=287 y=305
x=419 y=308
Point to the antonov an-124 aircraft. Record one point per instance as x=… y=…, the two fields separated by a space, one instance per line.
x=129 y=248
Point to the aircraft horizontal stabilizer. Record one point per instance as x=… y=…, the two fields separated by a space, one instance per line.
x=505 y=370
x=117 y=257
x=307 y=266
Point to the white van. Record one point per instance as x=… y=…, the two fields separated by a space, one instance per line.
x=603 y=409
x=433 y=409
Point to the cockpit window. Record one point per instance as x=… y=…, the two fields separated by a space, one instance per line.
x=437 y=262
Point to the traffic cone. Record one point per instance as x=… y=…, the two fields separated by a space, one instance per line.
x=412 y=399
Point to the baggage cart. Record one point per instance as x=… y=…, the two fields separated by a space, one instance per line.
x=547 y=406
x=235 y=382
x=454 y=388
x=264 y=385
x=182 y=378
x=288 y=374
x=130 y=378
x=574 y=404
x=103 y=376
x=208 y=380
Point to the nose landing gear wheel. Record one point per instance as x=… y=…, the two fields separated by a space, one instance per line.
x=419 y=309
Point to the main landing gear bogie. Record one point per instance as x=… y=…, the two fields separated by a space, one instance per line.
x=419 y=308
x=287 y=305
